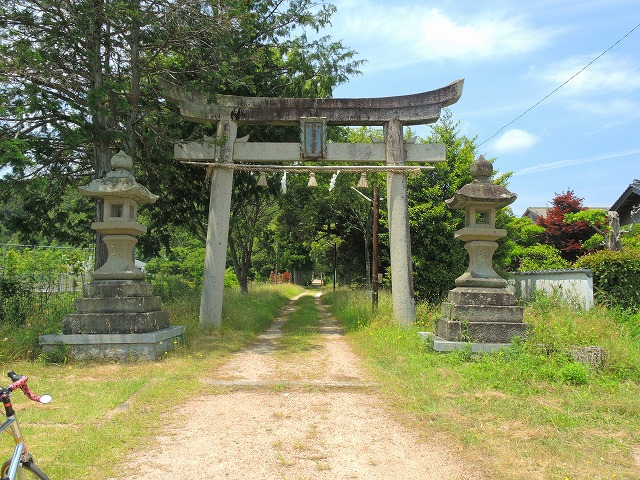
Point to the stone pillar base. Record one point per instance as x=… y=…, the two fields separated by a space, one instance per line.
x=441 y=345
x=116 y=347
x=118 y=320
x=483 y=315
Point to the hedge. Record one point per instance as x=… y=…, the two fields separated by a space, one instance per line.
x=616 y=276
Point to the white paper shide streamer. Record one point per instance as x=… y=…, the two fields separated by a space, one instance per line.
x=332 y=183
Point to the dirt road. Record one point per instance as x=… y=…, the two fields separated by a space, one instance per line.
x=309 y=415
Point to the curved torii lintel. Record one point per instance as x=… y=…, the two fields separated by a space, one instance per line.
x=416 y=109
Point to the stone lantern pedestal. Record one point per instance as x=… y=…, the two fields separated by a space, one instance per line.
x=119 y=318
x=481 y=310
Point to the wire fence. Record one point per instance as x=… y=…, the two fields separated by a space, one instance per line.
x=39 y=284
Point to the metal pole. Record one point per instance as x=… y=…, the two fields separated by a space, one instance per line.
x=335 y=271
x=374 y=267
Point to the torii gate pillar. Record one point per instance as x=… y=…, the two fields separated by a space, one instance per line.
x=404 y=307
x=215 y=257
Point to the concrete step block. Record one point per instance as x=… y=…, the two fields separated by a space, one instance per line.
x=118 y=288
x=482 y=296
x=484 y=332
x=482 y=313
x=118 y=305
x=107 y=323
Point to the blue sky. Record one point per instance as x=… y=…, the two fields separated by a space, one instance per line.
x=585 y=137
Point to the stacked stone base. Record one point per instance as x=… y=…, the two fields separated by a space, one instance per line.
x=117 y=320
x=480 y=315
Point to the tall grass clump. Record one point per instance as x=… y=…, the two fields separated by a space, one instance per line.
x=558 y=328
x=354 y=308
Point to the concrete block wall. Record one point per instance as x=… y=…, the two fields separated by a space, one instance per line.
x=576 y=286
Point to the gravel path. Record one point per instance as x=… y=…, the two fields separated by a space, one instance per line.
x=311 y=415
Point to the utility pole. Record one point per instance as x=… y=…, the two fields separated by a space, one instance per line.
x=375 y=203
x=374 y=267
x=335 y=266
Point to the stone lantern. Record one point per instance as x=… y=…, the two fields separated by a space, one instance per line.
x=481 y=309
x=121 y=195
x=118 y=318
x=480 y=201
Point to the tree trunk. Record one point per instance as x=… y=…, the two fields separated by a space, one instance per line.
x=100 y=119
x=134 y=96
x=238 y=267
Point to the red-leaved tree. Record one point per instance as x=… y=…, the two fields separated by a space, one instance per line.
x=566 y=237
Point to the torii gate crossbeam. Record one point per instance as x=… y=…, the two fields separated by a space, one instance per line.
x=392 y=113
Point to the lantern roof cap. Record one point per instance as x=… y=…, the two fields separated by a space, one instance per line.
x=119 y=182
x=481 y=192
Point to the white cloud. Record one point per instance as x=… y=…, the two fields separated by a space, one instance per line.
x=420 y=33
x=608 y=74
x=514 y=141
x=543 y=167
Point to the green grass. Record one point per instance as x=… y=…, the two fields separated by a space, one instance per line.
x=525 y=413
x=301 y=327
x=103 y=411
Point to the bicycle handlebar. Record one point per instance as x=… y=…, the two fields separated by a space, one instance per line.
x=20 y=382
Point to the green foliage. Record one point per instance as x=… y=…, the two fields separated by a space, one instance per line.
x=616 y=276
x=101 y=67
x=540 y=257
x=593 y=216
x=175 y=275
x=631 y=239
x=37 y=290
x=438 y=258
x=596 y=219
x=29 y=309
x=594 y=243
x=230 y=279
x=45 y=263
x=574 y=374
x=355 y=307
x=522 y=232
x=14 y=300
x=314 y=221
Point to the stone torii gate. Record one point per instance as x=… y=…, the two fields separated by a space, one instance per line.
x=312 y=114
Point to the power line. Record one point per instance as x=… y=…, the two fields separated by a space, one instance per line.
x=559 y=87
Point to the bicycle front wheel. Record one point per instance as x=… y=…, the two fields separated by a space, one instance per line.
x=26 y=471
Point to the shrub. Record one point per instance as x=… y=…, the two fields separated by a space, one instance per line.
x=177 y=275
x=14 y=299
x=541 y=257
x=230 y=278
x=616 y=277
